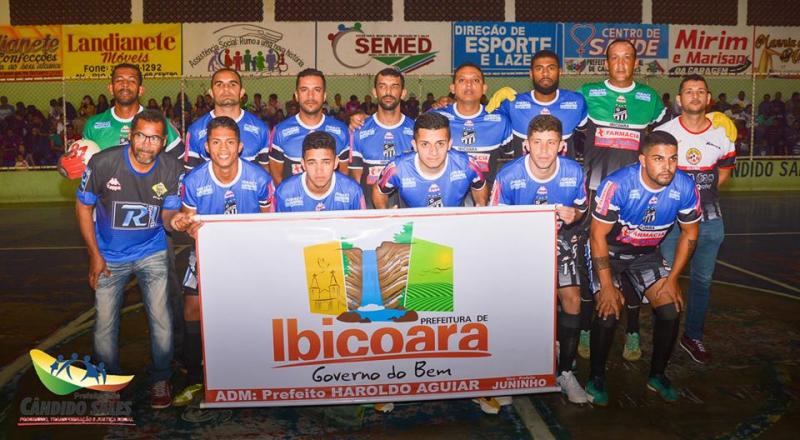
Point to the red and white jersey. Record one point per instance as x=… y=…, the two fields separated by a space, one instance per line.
x=701 y=155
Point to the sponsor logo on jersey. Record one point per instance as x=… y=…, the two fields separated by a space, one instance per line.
x=250 y=128
x=643 y=96
x=635 y=194
x=408 y=132
x=597 y=92
x=457 y=175
x=102 y=124
x=408 y=182
x=363 y=134
x=693 y=156
x=568 y=182
x=447 y=115
x=320 y=207
x=293 y=202
x=492 y=118
x=113 y=184
x=249 y=185
x=518 y=184
x=333 y=129
x=290 y=131
x=341 y=197
x=617 y=138
x=640 y=238
x=674 y=194
x=159 y=189
x=545 y=111
x=524 y=105
x=205 y=190
x=569 y=105
x=134 y=215
x=433 y=188
x=85 y=179
x=713 y=145
x=202 y=133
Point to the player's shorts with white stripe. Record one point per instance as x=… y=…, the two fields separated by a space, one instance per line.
x=642 y=270
x=567 y=242
x=190 y=279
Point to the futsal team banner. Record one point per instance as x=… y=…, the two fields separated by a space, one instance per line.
x=91 y=51
x=256 y=49
x=585 y=46
x=30 y=52
x=377 y=306
x=502 y=48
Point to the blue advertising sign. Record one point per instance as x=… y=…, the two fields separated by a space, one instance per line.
x=501 y=48
x=585 y=46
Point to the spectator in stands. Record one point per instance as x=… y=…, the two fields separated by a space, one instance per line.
x=182 y=107
x=199 y=107
x=56 y=143
x=722 y=104
x=71 y=112
x=766 y=105
x=337 y=105
x=243 y=101
x=668 y=107
x=292 y=108
x=775 y=130
x=368 y=106
x=38 y=144
x=152 y=104
x=6 y=109
x=277 y=117
x=793 y=106
x=72 y=134
x=352 y=105
x=88 y=108
x=412 y=107
x=21 y=163
x=741 y=100
x=792 y=137
x=428 y=103
x=778 y=101
x=258 y=106
x=102 y=103
x=342 y=116
x=56 y=111
x=10 y=144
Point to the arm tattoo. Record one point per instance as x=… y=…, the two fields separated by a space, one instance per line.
x=601 y=263
x=692 y=245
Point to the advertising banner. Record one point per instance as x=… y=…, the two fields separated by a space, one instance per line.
x=585 y=46
x=91 y=51
x=377 y=306
x=501 y=48
x=30 y=52
x=710 y=50
x=765 y=175
x=259 y=49
x=777 y=51
x=367 y=48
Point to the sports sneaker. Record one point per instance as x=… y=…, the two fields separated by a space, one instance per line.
x=596 y=391
x=160 y=395
x=632 y=352
x=504 y=400
x=696 y=349
x=188 y=395
x=570 y=386
x=583 y=344
x=660 y=384
x=384 y=407
x=489 y=405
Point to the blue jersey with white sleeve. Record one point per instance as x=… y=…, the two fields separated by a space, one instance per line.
x=641 y=215
x=375 y=144
x=287 y=141
x=516 y=185
x=344 y=194
x=253 y=133
x=449 y=188
x=249 y=192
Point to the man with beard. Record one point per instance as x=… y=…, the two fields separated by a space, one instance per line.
x=708 y=156
x=113 y=126
x=226 y=91
x=286 y=151
x=474 y=131
x=634 y=209
x=384 y=135
x=545 y=99
x=133 y=190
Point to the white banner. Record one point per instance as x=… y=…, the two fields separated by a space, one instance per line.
x=710 y=50
x=367 y=48
x=377 y=306
x=259 y=49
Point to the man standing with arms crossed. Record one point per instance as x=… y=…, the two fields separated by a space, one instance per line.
x=134 y=189
x=707 y=155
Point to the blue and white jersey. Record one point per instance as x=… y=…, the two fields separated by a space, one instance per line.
x=642 y=216
x=253 y=133
x=459 y=174
x=128 y=204
x=374 y=145
x=249 y=191
x=344 y=194
x=480 y=135
x=516 y=185
x=287 y=141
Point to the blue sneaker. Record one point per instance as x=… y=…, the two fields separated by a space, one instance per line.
x=596 y=391
x=660 y=384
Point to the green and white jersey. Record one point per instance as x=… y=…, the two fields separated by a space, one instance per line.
x=108 y=130
x=618 y=119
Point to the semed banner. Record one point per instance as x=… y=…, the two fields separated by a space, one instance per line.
x=91 y=51
x=367 y=48
x=585 y=46
x=256 y=49
x=503 y=48
x=30 y=52
x=377 y=306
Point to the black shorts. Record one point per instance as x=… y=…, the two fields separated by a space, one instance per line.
x=190 y=278
x=568 y=258
x=642 y=271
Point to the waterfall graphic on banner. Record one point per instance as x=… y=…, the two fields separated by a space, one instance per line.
x=392 y=282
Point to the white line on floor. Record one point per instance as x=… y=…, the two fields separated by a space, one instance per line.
x=531 y=418
x=757 y=234
x=759 y=276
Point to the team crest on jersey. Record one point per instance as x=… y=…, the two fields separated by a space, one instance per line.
x=434 y=197
x=113 y=184
x=468 y=135
x=320 y=207
x=388 y=145
x=650 y=212
x=159 y=189
x=230 y=203
x=621 y=109
x=693 y=156
x=541 y=196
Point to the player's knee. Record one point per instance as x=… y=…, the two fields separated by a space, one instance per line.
x=191 y=308
x=667 y=312
x=570 y=300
